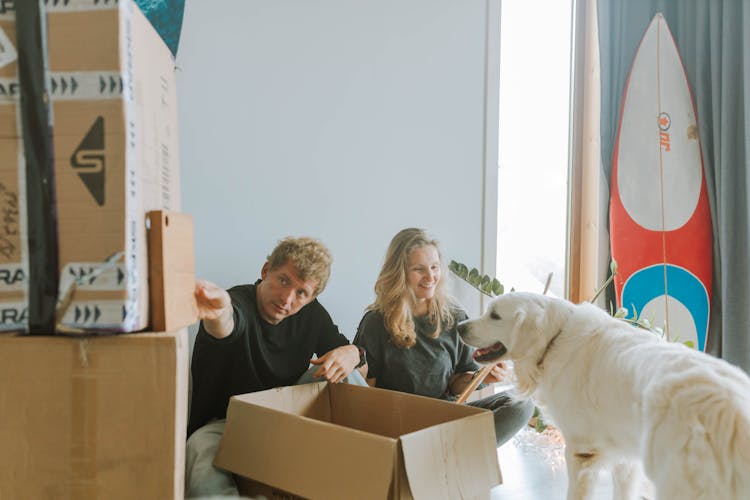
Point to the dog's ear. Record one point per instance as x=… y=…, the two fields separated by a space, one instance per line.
x=523 y=334
x=529 y=341
x=527 y=324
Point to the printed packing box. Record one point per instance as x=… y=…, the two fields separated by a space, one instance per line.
x=114 y=126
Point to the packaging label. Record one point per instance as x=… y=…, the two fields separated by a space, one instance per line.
x=90 y=276
x=8 y=52
x=70 y=86
x=89 y=161
x=106 y=314
x=13 y=316
x=75 y=85
x=12 y=278
x=10 y=223
x=73 y=5
x=9 y=90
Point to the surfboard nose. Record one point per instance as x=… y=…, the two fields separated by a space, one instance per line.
x=660 y=169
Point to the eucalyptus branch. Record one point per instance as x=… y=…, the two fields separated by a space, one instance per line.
x=490 y=287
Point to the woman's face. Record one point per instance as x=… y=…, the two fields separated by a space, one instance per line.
x=423 y=272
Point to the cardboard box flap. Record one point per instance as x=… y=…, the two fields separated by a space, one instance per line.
x=314 y=470
x=307 y=400
x=391 y=413
x=459 y=463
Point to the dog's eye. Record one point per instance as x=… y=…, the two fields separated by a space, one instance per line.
x=495 y=315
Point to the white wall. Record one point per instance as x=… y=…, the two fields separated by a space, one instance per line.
x=346 y=120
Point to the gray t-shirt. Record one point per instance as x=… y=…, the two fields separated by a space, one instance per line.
x=422 y=369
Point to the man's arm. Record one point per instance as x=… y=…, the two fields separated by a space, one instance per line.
x=214 y=309
x=337 y=364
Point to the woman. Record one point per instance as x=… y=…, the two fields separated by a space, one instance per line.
x=409 y=334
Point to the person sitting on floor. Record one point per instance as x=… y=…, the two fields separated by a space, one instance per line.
x=256 y=337
x=410 y=334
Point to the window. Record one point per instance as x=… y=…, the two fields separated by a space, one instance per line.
x=535 y=56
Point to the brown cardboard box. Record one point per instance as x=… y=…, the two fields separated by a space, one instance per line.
x=116 y=154
x=114 y=121
x=343 y=441
x=96 y=417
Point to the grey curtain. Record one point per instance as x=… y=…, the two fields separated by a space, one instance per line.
x=713 y=37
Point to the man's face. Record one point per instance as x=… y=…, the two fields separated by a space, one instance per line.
x=282 y=292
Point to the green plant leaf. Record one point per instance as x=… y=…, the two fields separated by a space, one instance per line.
x=497 y=287
x=463 y=271
x=473 y=275
x=690 y=344
x=486 y=285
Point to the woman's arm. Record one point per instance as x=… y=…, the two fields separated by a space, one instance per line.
x=369 y=337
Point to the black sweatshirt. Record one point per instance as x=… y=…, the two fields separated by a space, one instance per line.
x=256 y=355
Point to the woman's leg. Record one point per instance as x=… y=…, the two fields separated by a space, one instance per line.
x=202 y=479
x=510 y=414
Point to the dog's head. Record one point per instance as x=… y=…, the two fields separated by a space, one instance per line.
x=517 y=326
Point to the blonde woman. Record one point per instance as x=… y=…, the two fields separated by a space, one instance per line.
x=409 y=334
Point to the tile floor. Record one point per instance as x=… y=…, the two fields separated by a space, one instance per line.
x=531 y=473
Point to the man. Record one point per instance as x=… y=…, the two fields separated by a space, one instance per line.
x=255 y=337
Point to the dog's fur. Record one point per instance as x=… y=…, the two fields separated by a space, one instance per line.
x=623 y=398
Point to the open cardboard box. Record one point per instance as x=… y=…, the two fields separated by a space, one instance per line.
x=345 y=441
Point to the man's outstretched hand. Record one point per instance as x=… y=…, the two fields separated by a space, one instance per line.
x=214 y=308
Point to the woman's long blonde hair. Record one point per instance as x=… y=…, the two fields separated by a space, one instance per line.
x=396 y=301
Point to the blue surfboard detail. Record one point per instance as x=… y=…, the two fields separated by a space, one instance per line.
x=648 y=283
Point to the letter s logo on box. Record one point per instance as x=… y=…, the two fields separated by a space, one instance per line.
x=88 y=160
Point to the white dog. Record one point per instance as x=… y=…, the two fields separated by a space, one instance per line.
x=621 y=396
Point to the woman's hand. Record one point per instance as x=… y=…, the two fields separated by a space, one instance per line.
x=460 y=381
x=337 y=364
x=499 y=373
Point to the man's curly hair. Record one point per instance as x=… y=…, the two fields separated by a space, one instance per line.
x=309 y=256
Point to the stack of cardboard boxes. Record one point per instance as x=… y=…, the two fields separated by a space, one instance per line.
x=87 y=415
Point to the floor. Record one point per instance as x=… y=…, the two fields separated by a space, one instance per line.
x=533 y=468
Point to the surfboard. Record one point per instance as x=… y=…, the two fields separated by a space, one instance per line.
x=660 y=221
